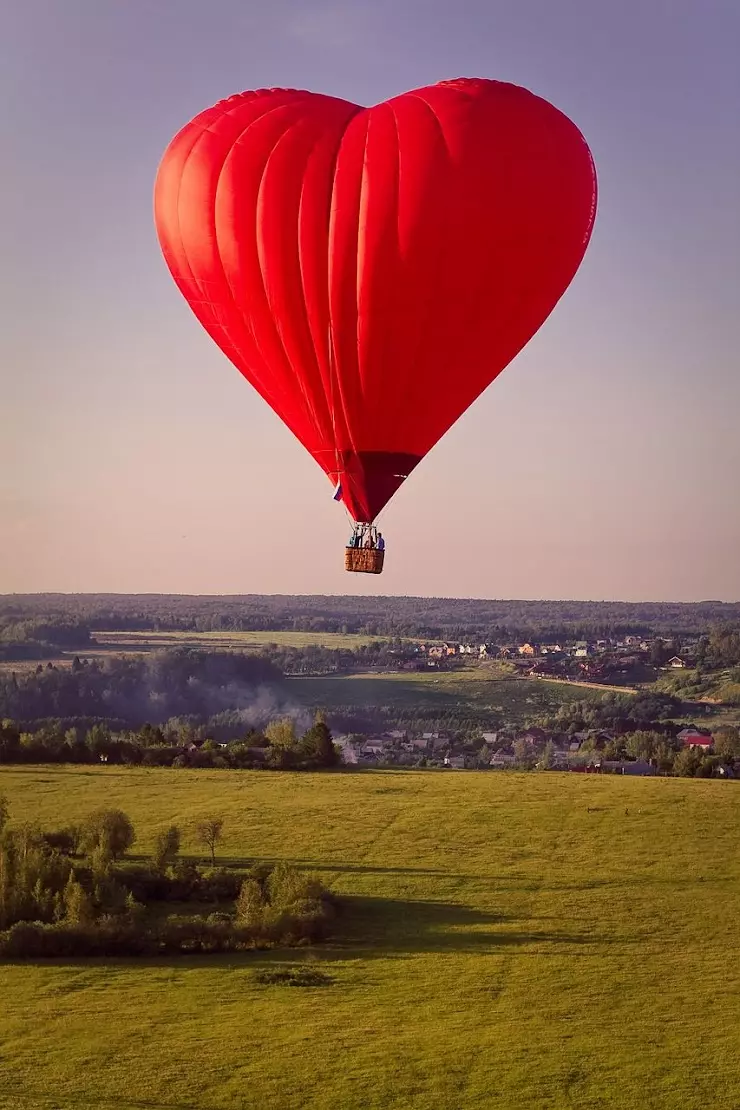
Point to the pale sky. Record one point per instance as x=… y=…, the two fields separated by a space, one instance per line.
x=603 y=463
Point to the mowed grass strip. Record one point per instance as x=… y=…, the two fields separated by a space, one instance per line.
x=539 y=941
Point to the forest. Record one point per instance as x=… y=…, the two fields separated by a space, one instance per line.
x=431 y=618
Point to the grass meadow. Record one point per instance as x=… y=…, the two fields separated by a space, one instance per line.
x=509 y=941
x=483 y=689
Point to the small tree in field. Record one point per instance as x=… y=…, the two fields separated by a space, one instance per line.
x=107 y=829
x=4 y=811
x=166 y=847
x=209 y=832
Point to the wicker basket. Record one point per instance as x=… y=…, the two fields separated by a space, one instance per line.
x=366 y=560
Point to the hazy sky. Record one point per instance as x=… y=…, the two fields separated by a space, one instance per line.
x=604 y=463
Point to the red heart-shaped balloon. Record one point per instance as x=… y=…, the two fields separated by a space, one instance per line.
x=371 y=270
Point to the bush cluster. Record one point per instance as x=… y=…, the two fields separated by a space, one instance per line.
x=71 y=893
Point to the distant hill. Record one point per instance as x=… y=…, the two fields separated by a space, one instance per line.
x=416 y=616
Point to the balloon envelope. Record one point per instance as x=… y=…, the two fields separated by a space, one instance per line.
x=370 y=271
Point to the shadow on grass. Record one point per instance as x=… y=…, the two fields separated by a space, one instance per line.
x=382 y=927
x=504 y=886
x=374 y=928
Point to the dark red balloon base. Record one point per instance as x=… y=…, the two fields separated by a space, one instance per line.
x=370 y=478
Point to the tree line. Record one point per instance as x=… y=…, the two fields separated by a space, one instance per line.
x=280 y=746
x=432 y=618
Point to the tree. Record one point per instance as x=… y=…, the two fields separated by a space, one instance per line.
x=522 y=753
x=78 y=907
x=281 y=733
x=166 y=847
x=642 y=744
x=99 y=740
x=726 y=743
x=107 y=829
x=687 y=762
x=661 y=651
x=548 y=756
x=318 y=746
x=4 y=812
x=10 y=742
x=614 y=749
x=251 y=903
x=209 y=831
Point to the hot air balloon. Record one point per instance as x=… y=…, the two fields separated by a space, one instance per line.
x=370 y=271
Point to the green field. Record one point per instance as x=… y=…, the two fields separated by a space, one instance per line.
x=473 y=690
x=228 y=641
x=510 y=941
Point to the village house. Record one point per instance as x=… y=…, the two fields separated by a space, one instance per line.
x=677 y=662
x=692 y=738
x=374 y=746
x=502 y=759
x=581 y=649
x=534 y=736
x=529 y=649
x=627 y=767
x=457 y=762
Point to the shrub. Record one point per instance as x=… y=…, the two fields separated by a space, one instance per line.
x=284 y=903
x=78 y=907
x=65 y=841
x=32 y=877
x=302 y=976
x=166 y=847
x=110 y=829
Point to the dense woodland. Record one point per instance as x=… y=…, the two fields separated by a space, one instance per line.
x=141 y=689
x=488 y=620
